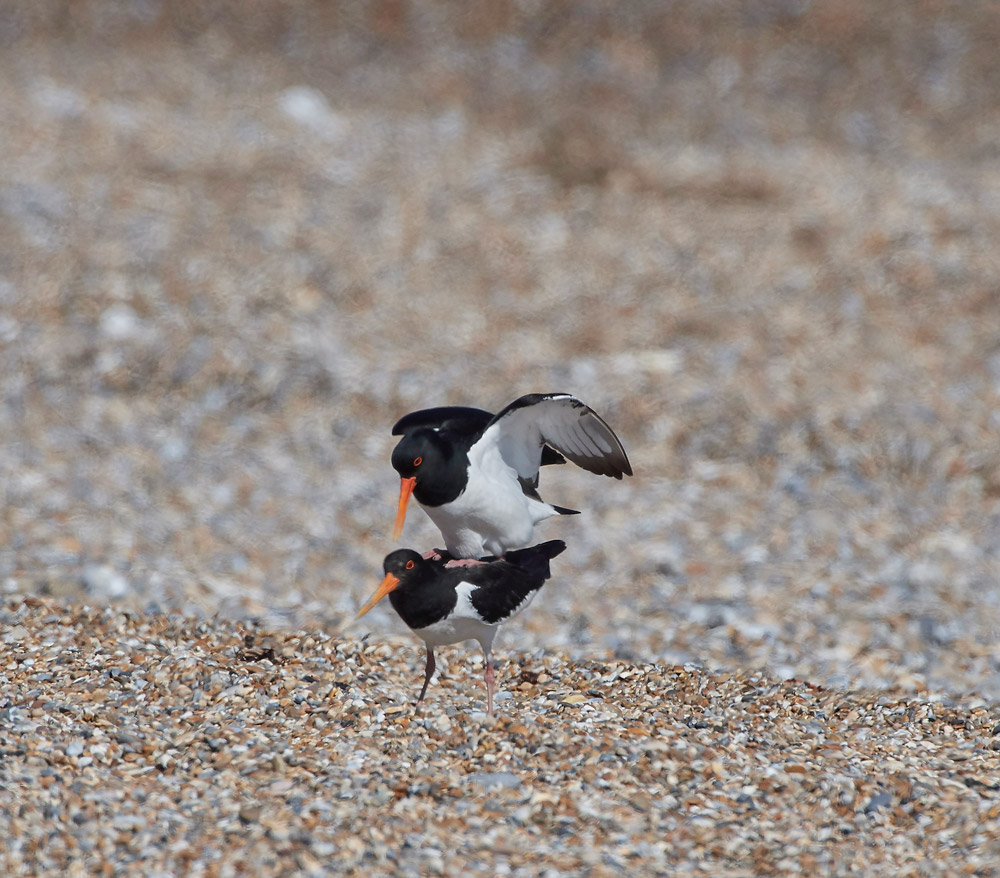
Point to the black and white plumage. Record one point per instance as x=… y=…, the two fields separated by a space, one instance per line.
x=476 y=474
x=443 y=605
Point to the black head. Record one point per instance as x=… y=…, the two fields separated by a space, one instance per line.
x=419 y=454
x=403 y=568
x=404 y=564
x=436 y=464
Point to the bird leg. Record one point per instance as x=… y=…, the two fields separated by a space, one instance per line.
x=428 y=673
x=442 y=554
x=464 y=562
x=489 y=684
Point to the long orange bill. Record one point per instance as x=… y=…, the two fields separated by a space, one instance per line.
x=388 y=584
x=406 y=487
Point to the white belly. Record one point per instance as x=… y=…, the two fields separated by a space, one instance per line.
x=491 y=516
x=463 y=623
x=455 y=629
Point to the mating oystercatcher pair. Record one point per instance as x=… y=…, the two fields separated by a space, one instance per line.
x=476 y=475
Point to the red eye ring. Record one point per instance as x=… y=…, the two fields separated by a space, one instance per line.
x=409 y=565
x=417 y=461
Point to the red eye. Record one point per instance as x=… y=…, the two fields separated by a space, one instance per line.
x=417 y=461
x=409 y=565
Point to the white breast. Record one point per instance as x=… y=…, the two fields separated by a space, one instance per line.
x=492 y=514
x=462 y=623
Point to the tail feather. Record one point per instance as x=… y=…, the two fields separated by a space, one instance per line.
x=563 y=510
x=535 y=559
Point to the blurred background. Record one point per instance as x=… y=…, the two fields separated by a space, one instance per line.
x=238 y=240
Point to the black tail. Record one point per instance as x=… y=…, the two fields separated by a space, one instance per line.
x=535 y=559
x=562 y=510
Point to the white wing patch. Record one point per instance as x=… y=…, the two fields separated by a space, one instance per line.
x=519 y=446
x=492 y=514
x=569 y=426
x=462 y=623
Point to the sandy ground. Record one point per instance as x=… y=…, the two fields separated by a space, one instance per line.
x=238 y=241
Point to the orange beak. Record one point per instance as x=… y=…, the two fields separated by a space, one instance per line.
x=388 y=584
x=406 y=487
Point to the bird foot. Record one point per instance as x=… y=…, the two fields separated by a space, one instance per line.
x=463 y=562
x=434 y=554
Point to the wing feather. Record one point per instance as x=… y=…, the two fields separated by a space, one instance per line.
x=453 y=418
x=587 y=441
x=564 y=423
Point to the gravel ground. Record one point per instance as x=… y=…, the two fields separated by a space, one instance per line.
x=238 y=241
x=143 y=744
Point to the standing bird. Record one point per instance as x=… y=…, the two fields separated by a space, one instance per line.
x=476 y=474
x=443 y=605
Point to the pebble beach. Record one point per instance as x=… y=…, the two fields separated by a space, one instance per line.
x=240 y=241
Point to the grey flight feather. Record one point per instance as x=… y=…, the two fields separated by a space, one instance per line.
x=564 y=423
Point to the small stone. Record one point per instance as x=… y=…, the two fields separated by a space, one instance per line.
x=250 y=813
x=494 y=779
x=119 y=322
x=309 y=107
x=104 y=582
x=880 y=800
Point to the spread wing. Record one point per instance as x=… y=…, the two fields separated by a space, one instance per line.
x=562 y=422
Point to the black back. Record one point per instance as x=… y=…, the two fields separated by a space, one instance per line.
x=427 y=592
x=454 y=419
x=504 y=585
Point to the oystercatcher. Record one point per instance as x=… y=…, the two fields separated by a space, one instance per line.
x=443 y=605
x=476 y=474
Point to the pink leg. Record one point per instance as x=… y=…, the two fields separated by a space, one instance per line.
x=428 y=673
x=433 y=554
x=463 y=562
x=489 y=684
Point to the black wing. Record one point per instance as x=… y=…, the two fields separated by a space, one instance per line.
x=459 y=419
x=500 y=589
x=502 y=586
x=535 y=559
